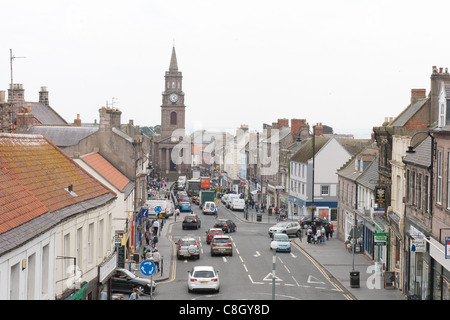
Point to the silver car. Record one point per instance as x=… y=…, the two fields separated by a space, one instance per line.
x=221 y=244
x=291 y=228
x=188 y=247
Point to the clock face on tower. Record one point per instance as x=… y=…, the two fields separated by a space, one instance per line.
x=173 y=97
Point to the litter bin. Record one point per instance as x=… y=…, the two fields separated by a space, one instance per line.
x=354 y=279
x=259 y=217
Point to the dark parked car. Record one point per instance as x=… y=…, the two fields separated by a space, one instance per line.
x=226 y=225
x=191 y=221
x=306 y=221
x=124 y=281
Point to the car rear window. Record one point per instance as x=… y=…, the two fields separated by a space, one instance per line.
x=203 y=274
x=221 y=240
x=188 y=243
x=216 y=232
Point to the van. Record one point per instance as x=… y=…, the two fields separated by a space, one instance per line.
x=230 y=197
x=209 y=207
x=224 y=198
x=237 y=204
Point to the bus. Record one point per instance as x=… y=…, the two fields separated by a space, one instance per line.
x=193 y=187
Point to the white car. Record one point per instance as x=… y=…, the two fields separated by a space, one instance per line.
x=203 y=278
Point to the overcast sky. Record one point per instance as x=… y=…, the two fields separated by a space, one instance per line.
x=347 y=64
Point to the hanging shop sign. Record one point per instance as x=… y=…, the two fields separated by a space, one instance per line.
x=418 y=244
x=380 y=195
x=380 y=239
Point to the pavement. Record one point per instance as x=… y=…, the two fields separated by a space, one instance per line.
x=330 y=257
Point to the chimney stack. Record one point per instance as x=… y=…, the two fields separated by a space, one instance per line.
x=43 y=96
x=417 y=95
x=77 y=121
x=16 y=93
x=319 y=129
x=24 y=120
x=283 y=123
x=109 y=118
x=437 y=78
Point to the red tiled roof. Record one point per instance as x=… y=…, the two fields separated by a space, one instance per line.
x=34 y=176
x=106 y=170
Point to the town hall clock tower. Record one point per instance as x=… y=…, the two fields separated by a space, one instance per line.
x=172 y=108
x=172 y=118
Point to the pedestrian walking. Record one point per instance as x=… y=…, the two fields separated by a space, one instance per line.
x=147 y=235
x=327 y=230
x=256 y=206
x=309 y=235
x=156 y=258
x=146 y=249
x=318 y=236
x=155 y=226
x=331 y=230
x=322 y=236
x=135 y=295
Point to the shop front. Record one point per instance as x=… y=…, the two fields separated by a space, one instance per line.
x=440 y=271
x=105 y=271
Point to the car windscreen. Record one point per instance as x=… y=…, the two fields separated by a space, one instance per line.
x=280 y=237
x=203 y=274
x=216 y=232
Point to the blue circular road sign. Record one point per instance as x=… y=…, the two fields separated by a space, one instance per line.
x=158 y=209
x=147 y=267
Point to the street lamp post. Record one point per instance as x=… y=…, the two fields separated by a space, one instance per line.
x=274 y=246
x=313 y=209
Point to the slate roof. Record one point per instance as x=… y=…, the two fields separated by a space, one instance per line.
x=369 y=178
x=422 y=155
x=63 y=136
x=35 y=175
x=44 y=114
x=306 y=150
x=403 y=118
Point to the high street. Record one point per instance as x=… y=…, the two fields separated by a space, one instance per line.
x=248 y=273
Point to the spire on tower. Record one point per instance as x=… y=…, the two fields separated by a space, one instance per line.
x=173 y=61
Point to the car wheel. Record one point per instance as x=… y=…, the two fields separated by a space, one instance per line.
x=198 y=257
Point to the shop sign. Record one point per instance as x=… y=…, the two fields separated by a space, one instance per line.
x=378 y=212
x=118 y=237
x=447 y=247
x=380 y=195
x=380 y=239
x=418 y=244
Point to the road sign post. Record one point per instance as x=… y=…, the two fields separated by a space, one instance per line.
x=148 y=268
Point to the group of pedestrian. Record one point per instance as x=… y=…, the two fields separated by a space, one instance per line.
x=317 y=234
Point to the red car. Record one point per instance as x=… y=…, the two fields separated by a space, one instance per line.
x=213 y=232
